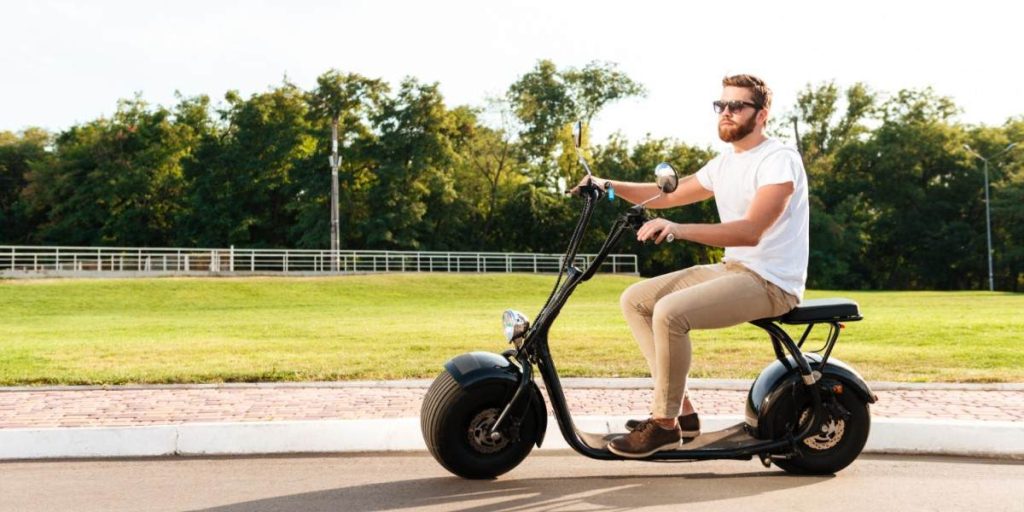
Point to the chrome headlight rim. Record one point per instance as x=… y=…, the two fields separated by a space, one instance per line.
x=515 y=324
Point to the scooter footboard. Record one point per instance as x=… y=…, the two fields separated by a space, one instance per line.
x=732 y=438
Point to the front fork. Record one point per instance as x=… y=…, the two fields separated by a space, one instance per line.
x=525 y=377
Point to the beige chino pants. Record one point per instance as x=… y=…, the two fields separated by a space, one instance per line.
x=663 y=310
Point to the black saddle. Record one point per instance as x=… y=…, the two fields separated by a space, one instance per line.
x=822 y=310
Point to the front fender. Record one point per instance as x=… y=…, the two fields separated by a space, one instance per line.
x=474 y=368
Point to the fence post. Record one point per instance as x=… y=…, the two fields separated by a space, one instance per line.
x=231 y=262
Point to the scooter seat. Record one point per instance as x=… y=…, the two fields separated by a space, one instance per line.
x=823 y=310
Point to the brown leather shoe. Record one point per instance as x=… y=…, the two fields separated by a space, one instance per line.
x=689 y=425
x=644 y=441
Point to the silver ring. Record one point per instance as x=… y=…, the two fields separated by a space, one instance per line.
x=670 y=237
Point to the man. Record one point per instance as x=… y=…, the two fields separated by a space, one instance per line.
x=760 y=189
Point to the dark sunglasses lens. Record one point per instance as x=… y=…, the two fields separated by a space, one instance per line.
x=719 y=106
x=736 y=106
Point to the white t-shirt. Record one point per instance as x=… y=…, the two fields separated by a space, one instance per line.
x=781 y=256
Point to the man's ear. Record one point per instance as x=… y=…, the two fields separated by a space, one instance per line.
x=763 y=116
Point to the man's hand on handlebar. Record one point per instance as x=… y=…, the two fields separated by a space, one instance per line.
x=657 y=230
x=589 y=180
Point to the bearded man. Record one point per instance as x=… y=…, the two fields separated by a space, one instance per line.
x=760 y=189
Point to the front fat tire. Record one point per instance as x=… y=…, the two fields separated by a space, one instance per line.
x=811 y=461
x=445 y=419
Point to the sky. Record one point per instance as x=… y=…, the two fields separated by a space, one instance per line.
x=68 y=62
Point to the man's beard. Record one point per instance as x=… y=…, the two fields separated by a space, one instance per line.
x=736 y=131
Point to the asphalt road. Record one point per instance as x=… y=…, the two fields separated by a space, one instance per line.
x=546 y=481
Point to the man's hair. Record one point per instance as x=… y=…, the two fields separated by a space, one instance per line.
x=762 y=94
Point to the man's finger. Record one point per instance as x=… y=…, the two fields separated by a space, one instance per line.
x=662 y=234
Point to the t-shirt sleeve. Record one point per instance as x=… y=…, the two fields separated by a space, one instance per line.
x=705 y=176
x=781 y=167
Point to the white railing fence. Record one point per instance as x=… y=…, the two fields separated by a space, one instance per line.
x=30 y=261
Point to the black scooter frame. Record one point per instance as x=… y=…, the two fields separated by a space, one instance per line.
x=532 y=349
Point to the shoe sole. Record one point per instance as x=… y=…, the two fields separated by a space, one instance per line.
x=687 y=434
x=641 y=455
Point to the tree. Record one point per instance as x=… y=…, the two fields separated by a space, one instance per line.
x=836 y=191
x=546 y=100
x=490 y=170
x=1007 y=181
x=240 y=183
x=413 y=154
x=351 y=100
x=18 y=154
x=112 y=182
x=620 y=160
x=922 y=197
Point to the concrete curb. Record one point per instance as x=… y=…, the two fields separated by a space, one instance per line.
x=999 y=439
x=568 y=383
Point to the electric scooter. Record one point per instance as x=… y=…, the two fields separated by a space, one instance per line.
x=806 y=412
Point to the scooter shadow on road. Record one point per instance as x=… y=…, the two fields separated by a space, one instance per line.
x=604 y=492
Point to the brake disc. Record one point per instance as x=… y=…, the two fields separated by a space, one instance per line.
x=479 y=432
x=829 y=436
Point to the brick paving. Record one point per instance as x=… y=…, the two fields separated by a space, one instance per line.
x=165 y=405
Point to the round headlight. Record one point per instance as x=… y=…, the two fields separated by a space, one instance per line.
x=516 y=324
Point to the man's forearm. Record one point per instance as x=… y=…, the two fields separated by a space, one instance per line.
x=739 y=233
x=633 y=192
x=687 y=192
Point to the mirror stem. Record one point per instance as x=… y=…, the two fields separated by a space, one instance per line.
x=649 y=200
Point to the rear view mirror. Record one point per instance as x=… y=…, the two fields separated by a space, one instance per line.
x=666 y=178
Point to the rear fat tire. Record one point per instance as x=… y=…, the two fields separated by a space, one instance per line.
x=820 y=455
x=449 y=416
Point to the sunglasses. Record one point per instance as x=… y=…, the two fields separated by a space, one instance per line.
x=733 y=106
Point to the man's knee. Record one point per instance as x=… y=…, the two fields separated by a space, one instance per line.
x=673 y=318
x=631 y=301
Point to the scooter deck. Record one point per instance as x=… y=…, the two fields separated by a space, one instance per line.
x=731 y=438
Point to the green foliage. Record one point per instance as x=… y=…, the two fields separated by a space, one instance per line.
x=18 y=154
x=620 y=161
x=547 y=99
x=112 y=182
x=241 y=185
x=896 y=201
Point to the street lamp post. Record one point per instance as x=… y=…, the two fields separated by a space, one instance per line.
x=988 y=215
x=335 y=163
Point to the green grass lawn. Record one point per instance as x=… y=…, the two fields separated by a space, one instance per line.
x=406 y=325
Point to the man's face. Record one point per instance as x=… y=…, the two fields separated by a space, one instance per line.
x=734 y=125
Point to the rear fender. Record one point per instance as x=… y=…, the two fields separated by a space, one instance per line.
x=778 y=389
x=475 y=368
